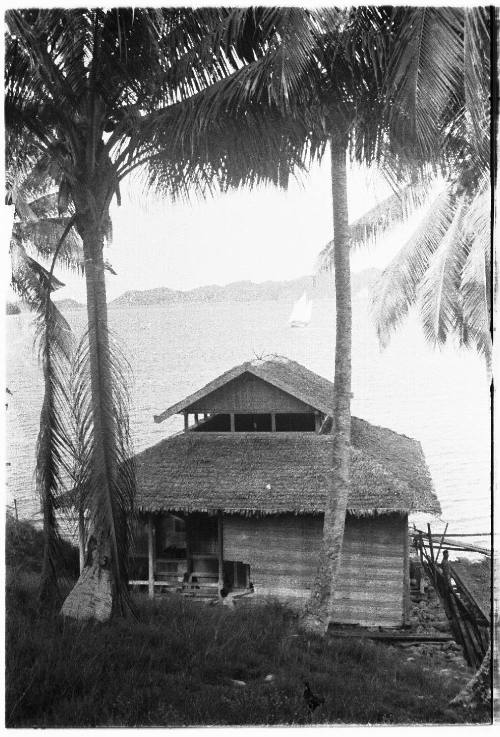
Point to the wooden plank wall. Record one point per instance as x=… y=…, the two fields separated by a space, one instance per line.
x=283 y=550
x=370 y=589
x=248 y=393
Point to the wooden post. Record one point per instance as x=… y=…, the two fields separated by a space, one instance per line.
x=81 y=538
x=186 y=421
x=196 y=418
x=406 y=574
x=189 y=557
x=431 y=547
x=151 y=557
x=220 y=549
x=441 y=542
x=317 y=422
x=273 y=422
x=231 y=417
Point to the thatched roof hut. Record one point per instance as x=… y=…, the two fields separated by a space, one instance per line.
x=241 y=493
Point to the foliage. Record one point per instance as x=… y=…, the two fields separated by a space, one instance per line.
x=440 y=69
x=174 y=668
x=24 y=545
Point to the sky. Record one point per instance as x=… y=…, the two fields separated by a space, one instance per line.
x=259 y=235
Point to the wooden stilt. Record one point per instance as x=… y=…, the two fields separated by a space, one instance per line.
x=406 y=575
x=220 y=550
x=317 y=422
x=196 y=418
x=151 y=557
x=273 y=422
x=81 y=538
x=186 y=421
x=231 y=417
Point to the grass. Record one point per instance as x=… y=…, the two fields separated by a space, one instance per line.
x=174 y=668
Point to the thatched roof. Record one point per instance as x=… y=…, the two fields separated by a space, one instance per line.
x=271 y=473
x=281 y=372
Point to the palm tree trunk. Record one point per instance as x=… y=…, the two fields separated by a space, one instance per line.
x=320 y=608
x=475 y=696
x=99 y=591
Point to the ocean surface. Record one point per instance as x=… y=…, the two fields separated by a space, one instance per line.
x=438 y=396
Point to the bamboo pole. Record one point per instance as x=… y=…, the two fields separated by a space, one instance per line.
x=151 y=564
x=406 y=576
x=220 y=550
x=81 y=538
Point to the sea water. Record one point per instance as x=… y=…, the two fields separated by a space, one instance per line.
x=438 y=396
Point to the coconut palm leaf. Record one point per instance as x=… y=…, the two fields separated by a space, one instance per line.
x=54 y=451
x=475 y=284
x=396 y=290
x=387 y=214
x=438 y=293
x=105 y=485
x=477 y=80
x=426 y=69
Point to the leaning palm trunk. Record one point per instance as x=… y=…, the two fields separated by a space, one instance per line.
x=101 y=590
x=321 y=605
x=476 y=694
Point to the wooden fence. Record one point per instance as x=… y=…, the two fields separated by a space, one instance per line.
x=469 y=622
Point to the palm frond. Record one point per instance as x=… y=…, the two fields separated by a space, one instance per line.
x=396 y=290
x=387 y=214
x=475 y=284
x=425 y=70
x=477 y=70
x=55 y=443
x=105 y=484
x=438 y=293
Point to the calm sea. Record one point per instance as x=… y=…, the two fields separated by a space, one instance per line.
x=440 y=397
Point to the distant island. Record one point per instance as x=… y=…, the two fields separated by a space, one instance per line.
x=246 y=291
x=68 y=304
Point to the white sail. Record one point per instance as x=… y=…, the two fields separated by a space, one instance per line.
x=301 y=312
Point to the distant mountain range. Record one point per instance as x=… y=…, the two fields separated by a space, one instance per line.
x=246 y=291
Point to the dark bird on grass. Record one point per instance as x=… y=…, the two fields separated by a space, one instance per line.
x=311 y=699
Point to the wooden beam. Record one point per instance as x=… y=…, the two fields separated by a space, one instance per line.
x=220 y=549
x=273 y=421
x=406 y=575
x=186 y=421
x=231 y=419
x=151 y=558
x=81 y=538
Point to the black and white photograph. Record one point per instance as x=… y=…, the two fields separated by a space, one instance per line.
x=249 y=290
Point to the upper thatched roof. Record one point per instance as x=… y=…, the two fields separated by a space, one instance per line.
x=282 y=472
x=287 y=375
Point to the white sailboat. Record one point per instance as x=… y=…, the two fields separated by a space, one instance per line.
x=301 y=313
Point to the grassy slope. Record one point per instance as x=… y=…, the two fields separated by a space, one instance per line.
x=174 y=666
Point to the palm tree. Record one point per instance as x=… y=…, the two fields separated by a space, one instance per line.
x=439 y=70
x=97 y=94
x=38 y=223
